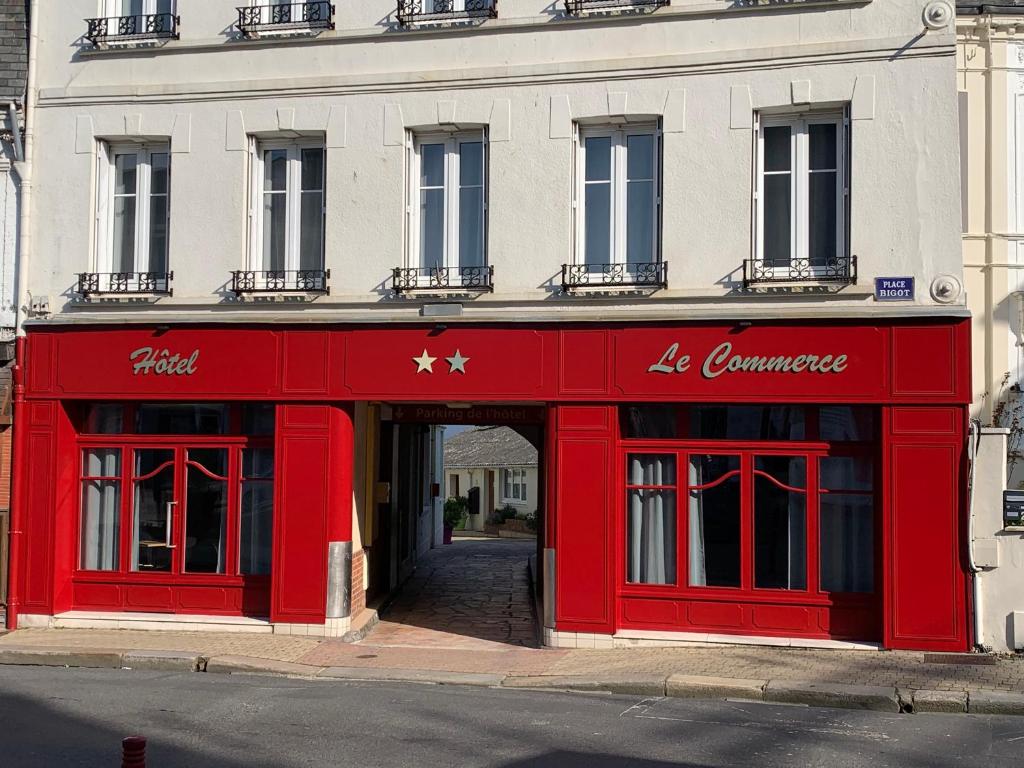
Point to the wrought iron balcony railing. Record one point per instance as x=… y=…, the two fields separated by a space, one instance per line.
x=644 y=274
x=280 y=281
x=121 y=283
x=420 y=11
x=149 y=26
x=447 y=279
x=841 y=269
x=582 y=7
x=317 y=14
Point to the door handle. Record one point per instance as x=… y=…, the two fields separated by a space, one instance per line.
x=170 y=513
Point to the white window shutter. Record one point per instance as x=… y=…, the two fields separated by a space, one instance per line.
x=104 y=191
x=254 y=182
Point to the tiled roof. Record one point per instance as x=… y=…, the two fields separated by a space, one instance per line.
x=990 y=6
x=488 y=447
x=13 y=51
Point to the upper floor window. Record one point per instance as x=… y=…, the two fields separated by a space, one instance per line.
x=448 y=206
x=414 y=11
x=618 y=202
x=287 y=207
x=801 y=198
x=128 y=20
x=133 y=208
x=285 y=16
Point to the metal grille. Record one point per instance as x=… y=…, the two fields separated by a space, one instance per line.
x=317 y=14
x=577 y=7
x=150 y=25
x=90 y=283
x=280 y=281
x=414 y=11
x=841 y=269
x=649 y=274
x=442 y=278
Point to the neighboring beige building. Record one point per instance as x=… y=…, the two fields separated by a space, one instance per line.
x=493 y=467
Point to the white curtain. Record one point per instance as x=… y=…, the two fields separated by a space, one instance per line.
x=652 y=520
x=698 y=571
x=101 y=502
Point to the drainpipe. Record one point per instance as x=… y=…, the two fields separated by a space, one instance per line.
x=973 y=440
x=22 y=301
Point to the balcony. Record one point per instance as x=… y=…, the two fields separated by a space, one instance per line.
x=126 y=29
x=443 y=279
x=124 y=283
x=280 y=281
x=841 y=270
x=413 y=12
x=586 y=7
x=647 y=274
x=257 y=20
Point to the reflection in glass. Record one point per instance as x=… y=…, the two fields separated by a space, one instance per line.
x=846 y=423
x=206 y=499
x=471 y=203
x=152 y=513
x=847 y=542
x=652 y=519
x=640 y=198
x=780 y=522
x=657 y=421
x=182 y=419
x=597 y=200
x=432 y=209
x=714 y=520
x=311 y=210
x=104 y=419
x=101 y=509
x=747 y=422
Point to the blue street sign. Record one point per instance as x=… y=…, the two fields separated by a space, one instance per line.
x=894 y=289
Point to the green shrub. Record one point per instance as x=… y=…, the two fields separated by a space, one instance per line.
x=455 y=511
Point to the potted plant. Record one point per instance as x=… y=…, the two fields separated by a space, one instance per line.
x=454 y=514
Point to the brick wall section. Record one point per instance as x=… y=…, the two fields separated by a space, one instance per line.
x=13 y=50
x=358 y=595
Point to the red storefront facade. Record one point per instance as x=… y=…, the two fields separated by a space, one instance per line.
x=788 y=479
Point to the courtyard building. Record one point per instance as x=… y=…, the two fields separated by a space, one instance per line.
x=709 y=251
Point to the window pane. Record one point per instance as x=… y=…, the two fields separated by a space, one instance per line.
x=822 y=217
x=640 y=157
x=747 y=422
x=258 y=419
x=839 y=423
x=822 y=137
x=165 y=6
x=640 y=221
x=275 y=218
x=846 y=473
x=432 y=227
x=714 y=521
x=159 y=170
x=651 y=536
x=256 y=528
x=432 y=165
x=258 y=463
x=597 y=236
x=777 y=148
x=101 y=462
x=312 y=169
x=471 y=163
x=471 y=227
x=598 y=150
x=104 y=419
x=124 y=234
x=151 y=519
x=777 y=220
x=311 y=234
x=181 y=419
x=125 y=174
x=101 y=524
x=847 y=543
x=158 y=233
x=206 y=507
x=780 y=522
x=651 y=469
x=275 y=170
x=649 y=421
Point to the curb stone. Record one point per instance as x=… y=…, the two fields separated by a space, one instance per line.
x=249 y=665
x=412 y=676
x=876 y=698
x=58 y=657
x=995 y=703
x=939 y=701
x=637 y=685
x=162 y=661
x=703 y=687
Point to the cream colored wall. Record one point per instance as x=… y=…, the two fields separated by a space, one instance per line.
x=469 y=478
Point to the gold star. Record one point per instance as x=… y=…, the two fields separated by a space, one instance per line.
x=424 y=363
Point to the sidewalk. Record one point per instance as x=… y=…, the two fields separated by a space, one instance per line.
x=886 y=680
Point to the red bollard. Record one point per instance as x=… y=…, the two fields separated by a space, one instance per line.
x=133 y=752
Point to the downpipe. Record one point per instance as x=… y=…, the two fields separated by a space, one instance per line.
x=973 y=441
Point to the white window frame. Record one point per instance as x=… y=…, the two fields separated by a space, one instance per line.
x=450 y=139
x=619 y=183
x=293 y=196
x=513 y=486
x=800 y=186
x=114 y=9
x=105 y=172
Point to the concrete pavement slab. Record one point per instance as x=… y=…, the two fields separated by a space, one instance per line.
x=819 y=694
x=411 y=676
x=706 y=687
x=247 y=665
x=635 y=685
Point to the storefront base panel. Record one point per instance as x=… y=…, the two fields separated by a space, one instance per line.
x=180 y=623
x=649 y=639
x=213 y=600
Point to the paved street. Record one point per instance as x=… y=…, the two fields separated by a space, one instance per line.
x=76 y=717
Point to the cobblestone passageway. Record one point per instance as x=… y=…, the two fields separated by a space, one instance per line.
x=473 y=593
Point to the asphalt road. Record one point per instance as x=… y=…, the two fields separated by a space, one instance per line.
x=76 y=717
